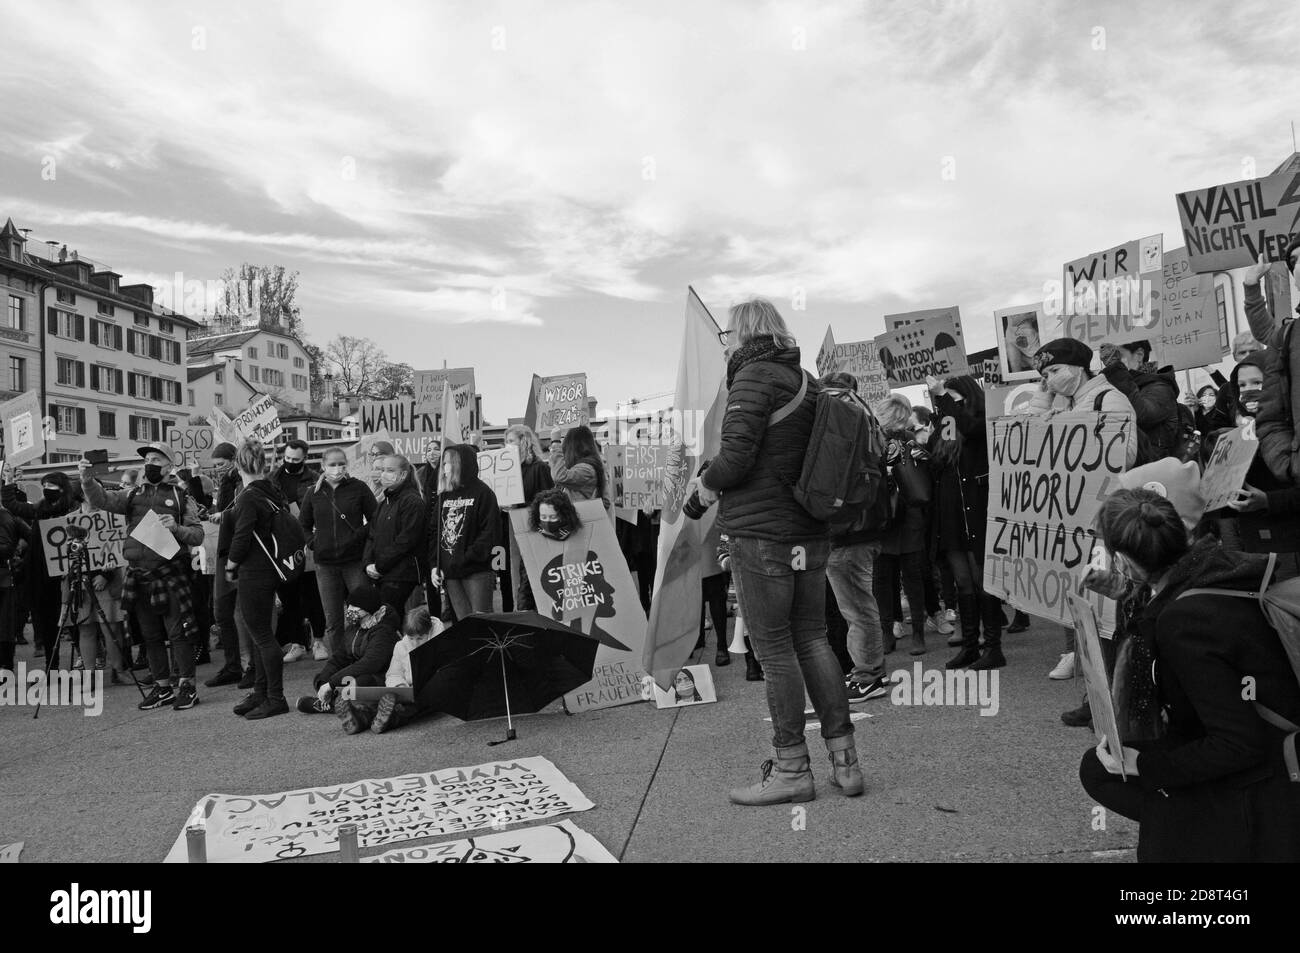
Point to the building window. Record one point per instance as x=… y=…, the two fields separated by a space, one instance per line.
x=107 y=424
x=104 y=307
x=252 y=353
x=300 y=382
x=191 y=396
x=17 y=317
x=142 y=320
x=218 y=377
x=63 y=324
x=71 y=373
x=1221 y=305
x=164 y=325
x=18 y=373
x=273 y=377
x=143 y=428
x=252 y=373
x=68 y=419
x=299 y=362
x=64 y=296
x=107 y=380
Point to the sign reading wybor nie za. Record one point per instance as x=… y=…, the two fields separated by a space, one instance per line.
x=1048 y=477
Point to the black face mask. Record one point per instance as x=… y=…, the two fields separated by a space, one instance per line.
x=153 y=472
x=1248 y=402
x=552 y=529
x=292 y=467
x=52 y=494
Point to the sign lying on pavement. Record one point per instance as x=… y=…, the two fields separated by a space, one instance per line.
x=562 y=843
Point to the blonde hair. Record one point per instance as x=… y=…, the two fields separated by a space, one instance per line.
x=251 y=458
x=894 y=413
x=320 y=481
x=758 y=317
x=530 y=448
x=449 y=472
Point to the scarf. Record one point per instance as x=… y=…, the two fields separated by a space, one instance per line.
x=758 y=349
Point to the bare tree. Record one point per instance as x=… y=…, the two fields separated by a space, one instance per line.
x=357 y=365
x=393 y=381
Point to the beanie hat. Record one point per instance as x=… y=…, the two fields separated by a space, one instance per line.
x=1063 y=351
x=223 y=451
x=366 y=598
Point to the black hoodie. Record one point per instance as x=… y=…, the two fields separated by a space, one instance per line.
x=394 y=537
x=467 y=523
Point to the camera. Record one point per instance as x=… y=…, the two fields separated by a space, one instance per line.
x=693 y=508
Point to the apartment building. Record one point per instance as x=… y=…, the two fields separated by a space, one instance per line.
x=270 y=359
x=110 y=364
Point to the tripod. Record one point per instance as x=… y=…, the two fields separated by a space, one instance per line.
x=79 y=584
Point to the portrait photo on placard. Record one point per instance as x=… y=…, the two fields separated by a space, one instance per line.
x=1021 y=331
x=692 y=685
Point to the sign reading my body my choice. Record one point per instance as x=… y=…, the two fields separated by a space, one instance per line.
x=928 y=349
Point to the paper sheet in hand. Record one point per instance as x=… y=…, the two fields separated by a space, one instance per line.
x=151 y=532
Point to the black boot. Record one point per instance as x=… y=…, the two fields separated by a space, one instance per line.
x=991 y=613
x=1080 y=717
x=1019 y=623
x=968 y=610
x=753 y=671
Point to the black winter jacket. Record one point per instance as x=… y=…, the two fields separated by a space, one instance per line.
x=294 y=486
x=336 y=519
x=253 y=513
x=467 y=523
x=959 y=508
x=1154 y=397
x=396 y=534
x=757 y=467
x=32 y=514
x=364 y=655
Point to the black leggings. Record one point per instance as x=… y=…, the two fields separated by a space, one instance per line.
x=254 y=602
x=967 y=573
x=911 y=566
x=715 y=601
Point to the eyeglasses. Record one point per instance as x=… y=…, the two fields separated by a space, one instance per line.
x=725 y=337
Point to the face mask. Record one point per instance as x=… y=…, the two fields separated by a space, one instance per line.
x=1207 y=403
x=1065 y=381
x=153 y=472
x=552 y=529
x=353 y=615
x=1249 y=401
x=51 y=493
x=388 y=478
x=293 y=467
x=335 y=472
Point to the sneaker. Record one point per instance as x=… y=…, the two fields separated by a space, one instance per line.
x=160 y=697
x=186 y=696
x=899 y=632
x=354 y=717
x=1064 y=668
x=245 y=683
x=950 y=615
x=78 y=665
x=294 y=653
x=311 y=705
x=268 y=709
x=939 y=624
x=861 y=691
x=318 y=651
x=224 y=677
x=250 y=702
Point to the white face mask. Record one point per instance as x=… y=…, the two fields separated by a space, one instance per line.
x=335 y=472
x=387 y=478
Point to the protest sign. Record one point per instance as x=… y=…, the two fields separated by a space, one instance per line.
x=410 y=428
x=1093 y=667
x=258 y=421
x=105 y=533
x=191 y=446
x=361 y=463
x=429 y=384
x=908 y=318
x=1022 y=330
x=826 y=355
x=1109 y=293
x=1230 y=226
x=1048 y=477
x=9 y=853
x=151 y=532
x=501 y=470
x=637 y=475
x=223 y=428
x=1225 y=471
x=692 y=685
x=585 y=579
x=262 y=828
x=24 y=435
x=562 y=843
x=1184 y=320
x=862 y=360
x=203 y=559
x=456 y=420
x=916 y=351
x=560 y=402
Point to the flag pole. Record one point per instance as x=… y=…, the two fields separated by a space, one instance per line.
x=691 y=292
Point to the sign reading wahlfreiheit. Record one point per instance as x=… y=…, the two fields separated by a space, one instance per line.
x=1230 y=226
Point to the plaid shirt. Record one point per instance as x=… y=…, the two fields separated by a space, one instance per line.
x=160 y=586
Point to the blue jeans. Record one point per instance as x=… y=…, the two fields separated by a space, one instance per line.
x=782 y=593
x=851 y=573
x=471 y=594
x=334 y=584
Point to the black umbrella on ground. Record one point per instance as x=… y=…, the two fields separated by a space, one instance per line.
x=504 y=663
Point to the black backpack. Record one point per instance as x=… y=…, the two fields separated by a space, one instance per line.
x=287 y=549
x=843 y=466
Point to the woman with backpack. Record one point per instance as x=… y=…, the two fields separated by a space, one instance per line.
x=247 y=537
x=959 y=461
x=778 y=551
x=396 y=534
x=466 y=533
x=1215 y=788
x=336 y=514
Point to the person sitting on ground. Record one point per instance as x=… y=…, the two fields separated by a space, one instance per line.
x=364 y=656
x=390 y=712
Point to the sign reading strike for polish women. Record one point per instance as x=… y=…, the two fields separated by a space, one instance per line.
x=105 y=533
x=562 y=843
x=1111 y=292
x=560 y=402
x=1184 y=319
x=24 y=436
x=583 y=581
x=1225 y=471
x=501 y=470
x=191 y=446
x=1230 y=226
x=916 y=351
x=1048 y=477
x=260 y=828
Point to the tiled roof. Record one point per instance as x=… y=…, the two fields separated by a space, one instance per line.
x=220 y=342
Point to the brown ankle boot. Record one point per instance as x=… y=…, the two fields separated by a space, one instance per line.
x=845 y=773
x=787 y=778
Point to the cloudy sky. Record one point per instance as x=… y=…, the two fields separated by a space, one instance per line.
x=530 y=187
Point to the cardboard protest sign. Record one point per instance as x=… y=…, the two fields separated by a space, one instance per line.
x=24 y=435
x=916 y=351
x=262 y=828
x=191 y=446
x=1230 y=226
x=105 y=533
x=258 y=421
x=1225 y=471
x=9 y=853
x=501 y=470
x=1048 y=477
x=862 y=360
x=429 y=384
x=203 y=559
x=562 y=843
x=692 y=685
x=456 y=420
x=1184 y=321
x=1022 y=329
x=410 y=428
x=360 y=460
x=1093 y=667
x=1109 y=294
x=560 y=402
x=585 y=579
x=908 y=318
x=826 y=355
x=151 y=532
x=637 y=475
